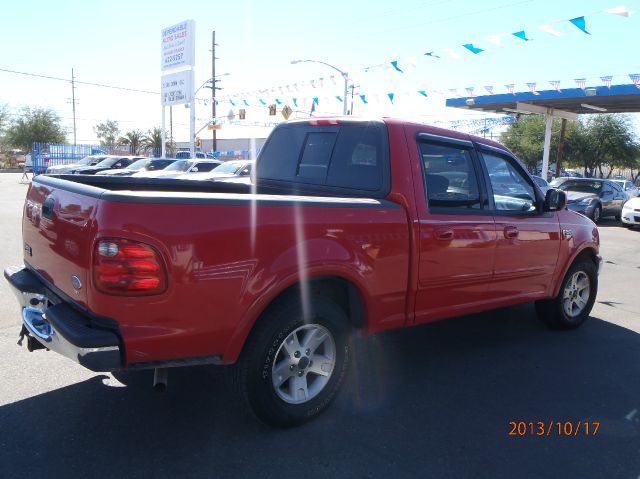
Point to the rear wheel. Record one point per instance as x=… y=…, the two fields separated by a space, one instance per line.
x=292 y=368
x=597 y=214
x=573 y=304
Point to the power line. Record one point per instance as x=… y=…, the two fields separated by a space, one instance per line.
x=79 y=82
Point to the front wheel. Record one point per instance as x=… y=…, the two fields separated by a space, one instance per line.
x=597 y=214
x=292 y=367
x=573 y=304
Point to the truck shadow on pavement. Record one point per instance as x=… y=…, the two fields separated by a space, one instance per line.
x=434 y=400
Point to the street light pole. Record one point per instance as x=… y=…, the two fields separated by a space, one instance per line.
x=213 y=89
x=345 y=75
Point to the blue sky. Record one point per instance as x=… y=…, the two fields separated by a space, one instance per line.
x=118 y=43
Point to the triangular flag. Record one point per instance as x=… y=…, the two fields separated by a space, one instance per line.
x=556 y=84
x=422 y=92
x=472 y=49
x=581 y=23
x=278 y=102
x=390 y=95
x=607 y=81
x=315 y=100
x=295 y=102
x=364 y=100
x=470 y=91
x=431 y=54
x=621 y=11
x=550 y=30
x=339 y=98
x=489 y=89
x=581 y=82
x=394 y=64
x=511 y=88
x=245 y=102
x=532 y=88
x=521 y=35
x=635 y=78
x=262 y=101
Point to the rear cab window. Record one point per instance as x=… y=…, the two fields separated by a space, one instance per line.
x=349 y=157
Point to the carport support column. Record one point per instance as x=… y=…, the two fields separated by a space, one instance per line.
x=547 y=145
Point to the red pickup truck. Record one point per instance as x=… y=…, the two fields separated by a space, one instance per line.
x=349 y=225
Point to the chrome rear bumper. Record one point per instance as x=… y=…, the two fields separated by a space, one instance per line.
x=62 y=328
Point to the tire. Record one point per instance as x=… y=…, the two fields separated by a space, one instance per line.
x=280 y=376
x=573 y=304
x=597 y=214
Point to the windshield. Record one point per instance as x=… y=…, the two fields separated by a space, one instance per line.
x=229 y=167
x=180 y=165
x=582 y=186
x=107 y=162
x=138 y=165
x=159 y=164
x=89 y=160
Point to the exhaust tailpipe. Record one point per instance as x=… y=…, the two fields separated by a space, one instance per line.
x=160 y=379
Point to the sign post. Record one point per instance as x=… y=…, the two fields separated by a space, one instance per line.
x=177 y=58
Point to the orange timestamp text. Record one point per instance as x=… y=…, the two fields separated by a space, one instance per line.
x=553 y=428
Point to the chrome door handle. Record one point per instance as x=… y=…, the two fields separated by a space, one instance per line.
x=510 y=232
x=443 y=234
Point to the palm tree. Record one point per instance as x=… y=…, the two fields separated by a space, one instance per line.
x=135 y=139
x=153 y=141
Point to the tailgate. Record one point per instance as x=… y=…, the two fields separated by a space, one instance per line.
x=58 y=231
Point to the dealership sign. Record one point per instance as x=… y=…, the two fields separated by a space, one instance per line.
x=177 y=87
x=178 y=45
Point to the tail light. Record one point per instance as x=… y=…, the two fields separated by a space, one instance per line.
x=324 y=121
x=128 y=268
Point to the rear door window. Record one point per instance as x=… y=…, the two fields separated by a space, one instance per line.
x=352 y=156
x=450 y=177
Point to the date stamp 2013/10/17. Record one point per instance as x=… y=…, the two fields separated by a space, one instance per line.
x=553 y=428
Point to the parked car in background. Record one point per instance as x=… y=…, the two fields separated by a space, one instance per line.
x=111 y=163
x=629 y=188
x=180 y=167
x=542 y=183
x=154 y=164
x=229 y=169
x=91 y=160
x=631 y=213
x=186 y=155
x=127 y=171
x=593 y=197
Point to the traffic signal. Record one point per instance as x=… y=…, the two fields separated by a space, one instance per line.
x=272 y=110
x=242 y=113
x=198 y=141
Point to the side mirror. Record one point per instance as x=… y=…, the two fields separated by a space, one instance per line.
x=194 y=169
x=555 y=200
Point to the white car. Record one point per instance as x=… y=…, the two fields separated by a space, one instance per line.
x=181 y=167
x=91 y=160
x=631 y=213
x=628 y=188
x=229 y=169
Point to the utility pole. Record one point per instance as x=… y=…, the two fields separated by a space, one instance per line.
x=73 y=103
x=213 y=89
x=353 y=87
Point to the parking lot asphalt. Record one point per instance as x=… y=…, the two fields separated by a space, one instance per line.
x=431 y=401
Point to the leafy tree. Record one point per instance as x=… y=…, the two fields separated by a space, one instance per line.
x=599 y=143
x=107 y=132
x=525 y=138
x=35 y=125
x=4 y=117
x=135 y=139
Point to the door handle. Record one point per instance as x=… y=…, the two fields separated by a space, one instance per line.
x=510 y=232
x=443 y=234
